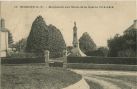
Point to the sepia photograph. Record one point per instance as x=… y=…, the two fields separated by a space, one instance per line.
x=68 y=44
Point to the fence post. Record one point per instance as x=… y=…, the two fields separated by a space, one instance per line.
x=64 y=58
x=46 y=56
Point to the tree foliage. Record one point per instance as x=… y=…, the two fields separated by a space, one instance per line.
x=20 y=45
x=10 y=39
x=56 y=42
x=101 y=51
x=38 y=38
x=86 y=44
x=123 y=45
x=43 y=37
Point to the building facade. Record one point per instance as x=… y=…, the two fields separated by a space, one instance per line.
x=3 y=39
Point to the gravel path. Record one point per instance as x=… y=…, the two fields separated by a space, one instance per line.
x=104 y=84
x=101 y=72
x=120 y=82
x=100 y=77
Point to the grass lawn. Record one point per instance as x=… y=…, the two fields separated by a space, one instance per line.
x=36 y=76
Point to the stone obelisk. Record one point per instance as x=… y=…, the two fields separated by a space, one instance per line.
x=75 y=39
x=76 y=51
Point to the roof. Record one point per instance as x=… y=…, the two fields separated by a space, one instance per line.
x=133 y=26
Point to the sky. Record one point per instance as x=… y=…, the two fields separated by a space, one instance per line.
x=101 y=23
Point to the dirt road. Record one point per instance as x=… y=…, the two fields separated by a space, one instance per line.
x=99 y=79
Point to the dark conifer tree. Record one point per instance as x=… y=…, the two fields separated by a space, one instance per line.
x=86 y=43
x=43 y=37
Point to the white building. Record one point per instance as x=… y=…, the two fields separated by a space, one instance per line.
x=3 y=39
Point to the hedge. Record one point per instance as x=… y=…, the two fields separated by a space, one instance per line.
x=103 y=60
x=56 y=64
x=22 y=60
x=24 y=55
x=102 y=66
x=93 y=60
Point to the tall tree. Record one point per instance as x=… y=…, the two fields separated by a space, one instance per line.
x=38 y=38
x=56 y=42
x=86 y=43
x=43 y=37
x=123 y=45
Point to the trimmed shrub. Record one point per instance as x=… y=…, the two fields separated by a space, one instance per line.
x=22 y=60
x=103 y=60
x=102 y=66
x=86 y=43
x=24 y=55
x=45 y=37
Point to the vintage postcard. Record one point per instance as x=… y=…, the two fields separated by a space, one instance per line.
x=68 y=44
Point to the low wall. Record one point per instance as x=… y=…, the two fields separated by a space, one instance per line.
x=82 y=84
x=103 y=60
x=22 y=60
x=102 y=66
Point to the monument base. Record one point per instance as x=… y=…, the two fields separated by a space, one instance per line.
x=76 y=52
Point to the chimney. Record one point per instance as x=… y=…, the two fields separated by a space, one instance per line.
x=2 y=23
x=135 y=24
